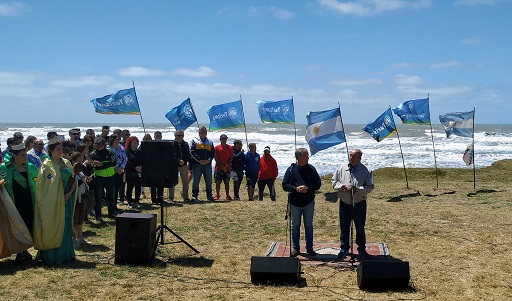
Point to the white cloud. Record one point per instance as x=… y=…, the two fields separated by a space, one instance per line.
x=12 y=9
x=439 y=91
x=140 y=71
x=84 y=81
x=283 y=14
x=403 y=65
x=202 y=71
x=16 y=79
x=372 y=7
x=402 y=79
x=357 y=82
x=445 y=64
x=276 y=12
x=470 y=41
x=477 y=2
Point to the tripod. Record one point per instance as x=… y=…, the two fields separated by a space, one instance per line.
x=161 y=230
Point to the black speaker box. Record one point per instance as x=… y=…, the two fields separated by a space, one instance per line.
x=275 y=270
x=159 y=163
x=386 y=275
x=135 y=238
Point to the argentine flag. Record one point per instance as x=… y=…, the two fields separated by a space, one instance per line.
x=458 y=123
x=324 y=130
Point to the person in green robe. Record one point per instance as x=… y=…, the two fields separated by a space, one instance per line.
x=18 y=177
x=55 y=203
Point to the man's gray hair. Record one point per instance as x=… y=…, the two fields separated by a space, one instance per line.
x=299 y=152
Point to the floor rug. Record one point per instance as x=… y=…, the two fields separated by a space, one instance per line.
x=327 y=253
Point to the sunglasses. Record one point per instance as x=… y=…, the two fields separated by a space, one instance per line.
x=76 y=134
x=178 y=135
x=38 y=143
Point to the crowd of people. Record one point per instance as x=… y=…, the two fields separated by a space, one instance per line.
x=57 y=186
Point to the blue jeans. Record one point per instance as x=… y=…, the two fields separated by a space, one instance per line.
x=206 y=172
x=347 y=214
x=306 y=213
x=102 y=184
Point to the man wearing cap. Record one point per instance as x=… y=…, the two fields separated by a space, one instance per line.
x=183 y=157
x=267 y=174
x=202 y=153
x=223 y=158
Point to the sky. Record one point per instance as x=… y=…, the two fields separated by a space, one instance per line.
x=364 y=55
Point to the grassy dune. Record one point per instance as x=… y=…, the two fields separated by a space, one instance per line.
x=456 y=239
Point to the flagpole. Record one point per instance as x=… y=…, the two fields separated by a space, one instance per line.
x=473 y=151
x=399 y=144
x=294 y=124
x=243 y=116
x=432 y=136
x=138 y=105
x=344 y=133
x=192 y=107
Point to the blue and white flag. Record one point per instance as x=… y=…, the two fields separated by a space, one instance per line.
x=280 y=111
x=182 y=116
x=226 y=116
x=469 y=155
x=458 y=123
x=414 y=111
x=382 y=127
x=324 y=130
x=121 y=102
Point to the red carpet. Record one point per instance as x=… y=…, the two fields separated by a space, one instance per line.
x=327 y=253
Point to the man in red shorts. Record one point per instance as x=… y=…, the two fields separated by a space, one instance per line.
x=223 y=158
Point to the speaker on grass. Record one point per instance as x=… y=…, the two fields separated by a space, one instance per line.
x=275 y=270
x=135 y=238
x=392 y=275
x=159 y=163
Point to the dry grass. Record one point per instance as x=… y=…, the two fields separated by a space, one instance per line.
x=456 y=239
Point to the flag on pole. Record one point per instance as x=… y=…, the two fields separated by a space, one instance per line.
x=382 y=127
x=121 y=102
x=324 y=130
x=280 y=111
x=226 y=116
x=458 y=123
x=468 y=156
x=414 y=111
x=182 y=116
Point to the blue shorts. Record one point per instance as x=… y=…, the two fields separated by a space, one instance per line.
x=251 y=179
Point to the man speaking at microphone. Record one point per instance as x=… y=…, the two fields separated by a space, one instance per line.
x=353 y=181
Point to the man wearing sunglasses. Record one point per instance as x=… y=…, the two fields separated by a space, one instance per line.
x=74 y=136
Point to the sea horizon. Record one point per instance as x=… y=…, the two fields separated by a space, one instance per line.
x=493 y=142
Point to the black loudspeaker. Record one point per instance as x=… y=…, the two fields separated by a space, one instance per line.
x=387 y=275
x=275 y=270
x=135 y=238
x=159 y=163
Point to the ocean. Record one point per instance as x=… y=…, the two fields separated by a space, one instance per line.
x=492 y=143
